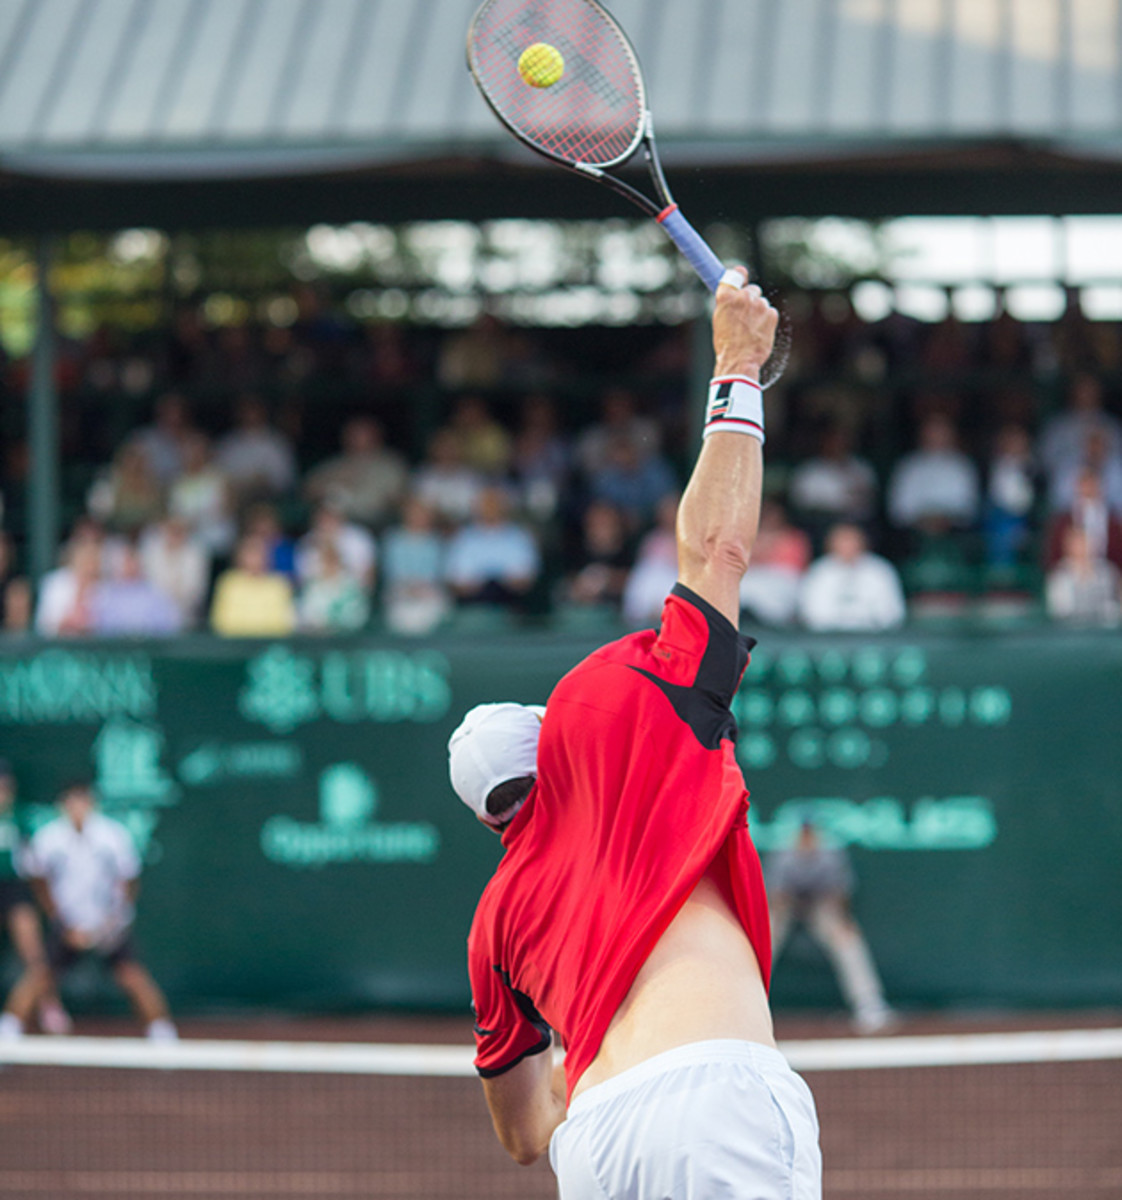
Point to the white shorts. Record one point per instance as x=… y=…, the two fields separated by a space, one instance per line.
x=717 y=1120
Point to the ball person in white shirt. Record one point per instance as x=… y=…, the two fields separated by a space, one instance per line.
x=85 y=872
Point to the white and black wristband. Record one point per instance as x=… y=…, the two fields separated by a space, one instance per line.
x=736 y=405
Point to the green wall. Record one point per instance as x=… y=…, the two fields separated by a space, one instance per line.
x=304 y=849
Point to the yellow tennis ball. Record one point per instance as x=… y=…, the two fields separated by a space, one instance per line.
x=541 y=65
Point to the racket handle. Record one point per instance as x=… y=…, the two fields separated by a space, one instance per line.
x=693 y=246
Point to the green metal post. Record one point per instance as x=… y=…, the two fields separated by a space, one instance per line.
x=701 y=371
x=43 y=425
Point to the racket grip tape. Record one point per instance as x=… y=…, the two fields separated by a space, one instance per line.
x=693 y=246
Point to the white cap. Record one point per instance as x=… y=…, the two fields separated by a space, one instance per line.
x=494 y=743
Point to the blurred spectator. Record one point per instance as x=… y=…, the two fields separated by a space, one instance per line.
x=355 y=546
x=1096 y=457
x=811 y=884
x=263 y=521
x=85 y=873
x=178 y=565
x=249 y=599
x=849 y=588
x=492 y=560
x=935 y=488
x=66 y=593
x=619 y=418
x=835 y=485
x=201 y=496
x=163 y=442
x=366 y=481
x=476 y=357
x=656 y=568
x=769 y=589
x=445 y=482
x=256 y=459
x=484 y=443
x=128 y=496
x=1010 y=496
x=15 y=591
x=1083 y=588
x=128 y=603
x=1063 y=439
x=634 y=483
x=541 y=458
x=331 y=600
x=1089 y=512
x=416 y=596
x=607 y=556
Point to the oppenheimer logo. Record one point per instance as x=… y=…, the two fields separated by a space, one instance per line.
x=347 y=831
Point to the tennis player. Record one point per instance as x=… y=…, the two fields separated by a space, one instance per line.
x=628 y=912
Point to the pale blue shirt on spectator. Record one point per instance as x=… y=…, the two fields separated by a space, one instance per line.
x=479 y=553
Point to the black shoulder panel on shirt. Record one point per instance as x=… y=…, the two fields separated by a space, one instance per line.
x=704 y=707
x=529 y=1010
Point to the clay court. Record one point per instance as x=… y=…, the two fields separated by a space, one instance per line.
x=932 y=1133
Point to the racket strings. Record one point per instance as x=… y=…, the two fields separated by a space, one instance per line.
x=594 y=113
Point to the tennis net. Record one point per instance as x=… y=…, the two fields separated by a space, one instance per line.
x=973 y=1117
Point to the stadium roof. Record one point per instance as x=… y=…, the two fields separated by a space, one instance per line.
x=237 y=111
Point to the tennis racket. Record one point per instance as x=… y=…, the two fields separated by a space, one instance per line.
x=562 y=76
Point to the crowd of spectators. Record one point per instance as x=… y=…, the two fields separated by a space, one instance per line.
x=511 y=502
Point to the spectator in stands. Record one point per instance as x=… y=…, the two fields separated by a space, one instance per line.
x=164 y=441
x=445 y=482
x=493 y=560
x=477 y=357
x=632 y=482
x=128 y=496
x=607 y=555
x=201 y=496
x=484 y=443
x=1083 y=588
x=331 y=600
x=66 y=593
x=619 y=417
x=540 y=461
x=15 y=591
x=85 y=873
x=1091 y=513
x=355 y=545
x=416 y=596
x=367 y=480
x=935 y=488
x=769 y=588
x=1097 y=457
x=262 y=520
x=656 y=567
x=836 y=485
x=130 y=604
x=257 y=459
x=850 y=589
x=250 y=600
x=1063 y=440
x=811 y=883
x=177 y=564
x=1010 y=496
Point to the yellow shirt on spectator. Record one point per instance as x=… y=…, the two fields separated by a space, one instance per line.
x=247 y=605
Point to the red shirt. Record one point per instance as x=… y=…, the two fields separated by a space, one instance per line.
x=638 y=793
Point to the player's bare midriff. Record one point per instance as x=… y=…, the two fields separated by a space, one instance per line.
x=702 y=981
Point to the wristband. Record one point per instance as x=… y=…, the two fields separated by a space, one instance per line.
x=736 y=405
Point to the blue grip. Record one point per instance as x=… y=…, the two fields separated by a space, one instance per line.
x=694 y=247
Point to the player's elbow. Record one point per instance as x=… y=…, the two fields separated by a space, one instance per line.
x=524 y=1149
x=720 y=552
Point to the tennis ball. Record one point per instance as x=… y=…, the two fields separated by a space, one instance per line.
x=541 y=65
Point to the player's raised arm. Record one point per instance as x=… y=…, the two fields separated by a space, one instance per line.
x=720 y=511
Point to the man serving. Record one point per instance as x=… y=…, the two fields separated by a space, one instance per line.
x=628 y=913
